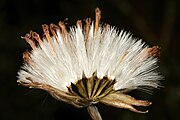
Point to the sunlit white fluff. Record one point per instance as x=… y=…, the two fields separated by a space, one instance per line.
x=108 y=52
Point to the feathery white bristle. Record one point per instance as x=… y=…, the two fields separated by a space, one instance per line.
x=108 y=53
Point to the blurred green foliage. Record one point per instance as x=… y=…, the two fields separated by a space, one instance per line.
x=155 y=21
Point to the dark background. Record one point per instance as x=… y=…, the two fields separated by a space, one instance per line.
x=155 y=21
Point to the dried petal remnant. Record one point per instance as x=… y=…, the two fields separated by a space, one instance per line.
x=47 y=34
x=53 y=29
x=154 y=51
x=26 y=57
x=28 y=38
x=97 y=20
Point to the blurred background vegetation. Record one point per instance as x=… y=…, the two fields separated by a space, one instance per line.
x=155 y=21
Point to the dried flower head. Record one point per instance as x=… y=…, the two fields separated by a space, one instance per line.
x=89 y=64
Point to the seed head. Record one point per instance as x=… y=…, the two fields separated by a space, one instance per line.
x=88 y=64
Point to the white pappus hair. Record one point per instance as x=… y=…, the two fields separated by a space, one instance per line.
x=107 y=52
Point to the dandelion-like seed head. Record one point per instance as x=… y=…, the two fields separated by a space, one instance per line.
x=88 y=64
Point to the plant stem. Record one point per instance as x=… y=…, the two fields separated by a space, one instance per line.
x=94 y=113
